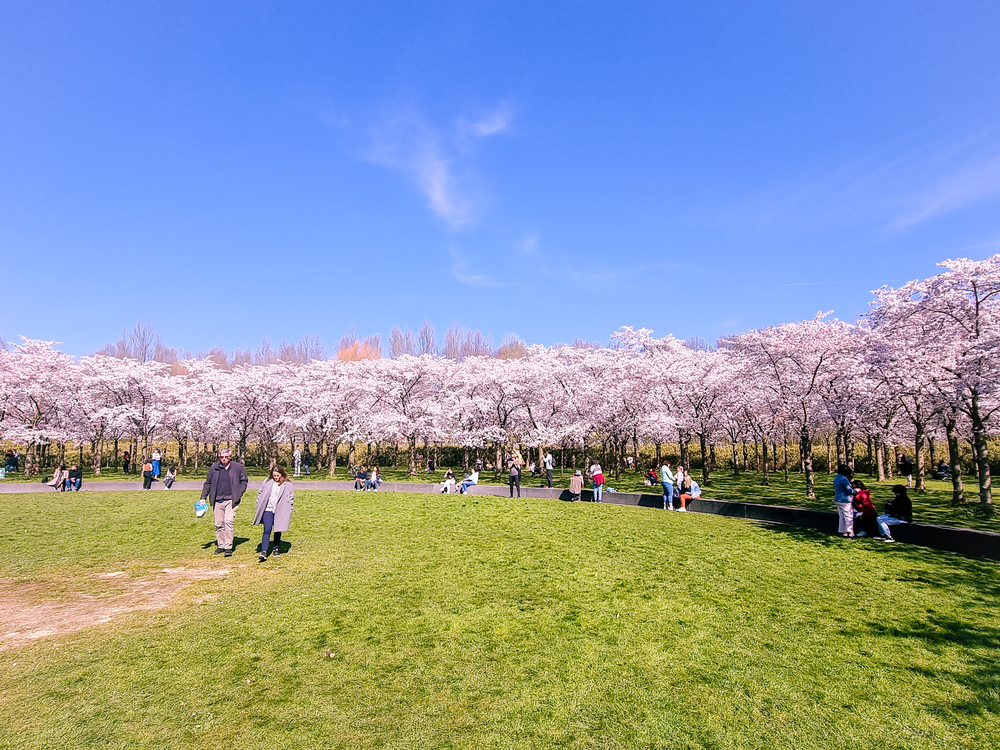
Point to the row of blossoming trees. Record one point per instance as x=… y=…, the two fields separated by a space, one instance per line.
x=922 y=365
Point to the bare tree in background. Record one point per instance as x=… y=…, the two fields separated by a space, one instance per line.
x=512 y=348
x=401 y=342
x=348 y=340
x=460 y=343
x=427 y=340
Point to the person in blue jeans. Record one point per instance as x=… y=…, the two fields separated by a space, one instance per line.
x=667 y=480
x=597 y=478
x=75 y=479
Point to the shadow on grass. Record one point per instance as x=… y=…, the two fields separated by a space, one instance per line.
x=978 y=670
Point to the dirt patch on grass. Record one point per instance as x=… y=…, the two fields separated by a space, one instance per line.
x=28 y=611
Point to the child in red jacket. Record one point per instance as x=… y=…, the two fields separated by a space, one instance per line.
x=865 y=509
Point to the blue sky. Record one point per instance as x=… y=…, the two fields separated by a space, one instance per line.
x=228 y=171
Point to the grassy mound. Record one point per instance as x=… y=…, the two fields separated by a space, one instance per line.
x=486 y=622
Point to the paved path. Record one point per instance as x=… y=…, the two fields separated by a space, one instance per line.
x=307 y=484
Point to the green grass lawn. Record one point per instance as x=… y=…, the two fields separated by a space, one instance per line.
x=479 y=622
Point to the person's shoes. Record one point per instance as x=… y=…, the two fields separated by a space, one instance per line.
x=262 y=557
x=228 y=553
x=276 y=552
x=219 y=550
x=862 y=533
x=682 y=510
x=889 y=539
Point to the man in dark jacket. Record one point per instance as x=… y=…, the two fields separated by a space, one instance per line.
x=224 y=488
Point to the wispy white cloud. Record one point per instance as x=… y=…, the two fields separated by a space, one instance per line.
x=492 y=123
x=893 y=194
x=529 y=243
x=431 y=155
x=964 y=185
x=460 y=271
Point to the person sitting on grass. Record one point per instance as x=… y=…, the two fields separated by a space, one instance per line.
x=943 y=471
x=864 y=510
x=361 y=479
x=470 y=481
x=897 y=510
x=576 y=485
x=448 y=483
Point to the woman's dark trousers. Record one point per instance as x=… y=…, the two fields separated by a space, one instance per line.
x=268 y=520
x=515 y=480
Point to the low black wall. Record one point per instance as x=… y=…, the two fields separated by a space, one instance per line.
x=946 y=538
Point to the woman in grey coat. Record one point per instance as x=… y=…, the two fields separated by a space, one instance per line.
x=274 y=510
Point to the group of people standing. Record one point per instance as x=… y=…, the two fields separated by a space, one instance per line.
x=855 y=507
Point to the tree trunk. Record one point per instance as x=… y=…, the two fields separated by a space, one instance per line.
x=703 y=443
x=412 y=465
x=933 y=452
x=805 y=443
x=957 y=490
x=96 y=452
x=736 y=461
x=918 y=449
x=982 y=453
x=711 y=455
x=880 y=459
x=684 y=438
x=332 y=456
x=784 y=454
x=766 y=480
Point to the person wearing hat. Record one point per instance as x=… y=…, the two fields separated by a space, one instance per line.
x=576 y=485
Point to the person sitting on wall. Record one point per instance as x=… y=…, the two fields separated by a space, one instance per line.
x=449 y=483
x=361 y=479
x=74 y=478
x=897 y=510
x=58 y=481
x=864 y=510
x=470 y=481
x=687 y=485
x=693 y=493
